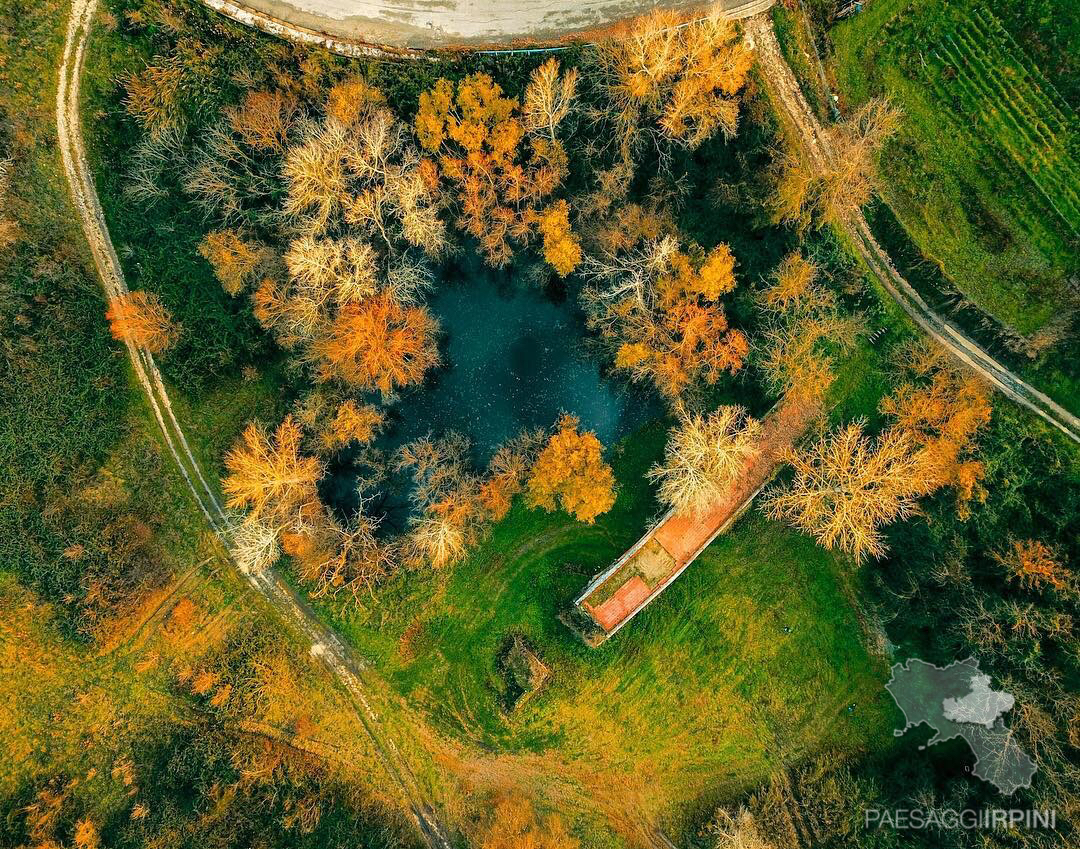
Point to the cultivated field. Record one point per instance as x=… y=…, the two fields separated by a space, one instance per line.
x=984 y=172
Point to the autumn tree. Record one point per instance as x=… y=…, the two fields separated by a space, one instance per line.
x=941 y=408
x=446 y=498
x=504 y=162
x=841 y=183
x=269 y=476
x=658 y=309
x=1035 y=565
x=378 y=344
x=673 y=79
x=233 y=258
x=140 y=319
x=738 y=830
x=255 y=542
x=704 y=454
x=562 y=250
x=339 y=560
x=804 y=333
x=265 y=119
x=848 y=486
x=571 y=473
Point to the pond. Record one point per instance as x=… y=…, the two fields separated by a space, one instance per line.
x=513 y=357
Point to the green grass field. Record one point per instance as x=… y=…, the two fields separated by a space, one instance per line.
x=983 y=172
x=748 y=660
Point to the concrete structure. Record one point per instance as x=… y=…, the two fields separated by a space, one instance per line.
x=623 y=590
x=366 y=27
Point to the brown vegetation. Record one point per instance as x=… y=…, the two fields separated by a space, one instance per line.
x=141 y=319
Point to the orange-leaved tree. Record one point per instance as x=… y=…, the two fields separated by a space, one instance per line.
x=269 y=475
x=941 y=408
x=141 y=319
x=658 y=309
x=835 y=190
x=571 y=473
x=504 y=163
x=378 y=344
x=1035 y=565
x=805 y=332
x=233 y=258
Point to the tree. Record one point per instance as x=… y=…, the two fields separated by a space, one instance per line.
x=704 y=454
x=1035 y=565
x=514 y=825
x=234 y=259
x=338 y=559
x=378 y=344
x=561 y=249
x=445 y=496
x=675 y=80
x=549 y=99
x=847 y=487
x=572 y=473
x=658 y=309
x=942 y=409
x=793 y=285
x=256 y=545
x=805 y=331
x=269 y=476
x=352 y=423
x=142 y=320
x=840 y=187
x=265 y=119
x=503 y=172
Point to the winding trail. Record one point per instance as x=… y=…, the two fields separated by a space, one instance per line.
x=817 y=145
x=326 y=646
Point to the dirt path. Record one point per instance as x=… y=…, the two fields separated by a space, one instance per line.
x=787 y=97
x=325 y=645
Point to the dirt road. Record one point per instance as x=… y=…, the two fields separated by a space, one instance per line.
x=787 y=97
x=325 y=645
x=366 y=27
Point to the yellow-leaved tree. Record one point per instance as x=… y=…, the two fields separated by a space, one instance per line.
x=503 y=161
x=269 y=476
x=571 y=473
x=674 y=79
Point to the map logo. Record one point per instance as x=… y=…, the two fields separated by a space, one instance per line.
x=957 y=701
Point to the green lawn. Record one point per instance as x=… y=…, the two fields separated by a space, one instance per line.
x=750 y=658
x=996 y=211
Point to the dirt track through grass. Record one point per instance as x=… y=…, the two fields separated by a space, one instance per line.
x=325 y=645
x=787 y=98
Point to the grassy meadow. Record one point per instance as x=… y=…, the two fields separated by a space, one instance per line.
x=748 y=661
x=982 y=174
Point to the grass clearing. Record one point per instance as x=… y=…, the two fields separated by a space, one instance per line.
x=748 y=660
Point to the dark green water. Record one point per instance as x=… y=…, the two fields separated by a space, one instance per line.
x=513 y=357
